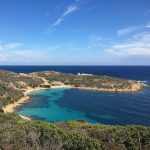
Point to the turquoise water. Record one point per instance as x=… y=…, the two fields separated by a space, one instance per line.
x=96 y=107
x=43 y=106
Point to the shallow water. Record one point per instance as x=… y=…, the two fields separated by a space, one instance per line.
x=96 y=107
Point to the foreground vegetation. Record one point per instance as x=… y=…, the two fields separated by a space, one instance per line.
x=19 y=134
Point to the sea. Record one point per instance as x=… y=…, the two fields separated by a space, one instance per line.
x=66 y=104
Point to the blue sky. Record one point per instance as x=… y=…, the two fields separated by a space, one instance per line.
x=74 y=32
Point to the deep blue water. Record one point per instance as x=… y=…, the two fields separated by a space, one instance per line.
x=97 y=107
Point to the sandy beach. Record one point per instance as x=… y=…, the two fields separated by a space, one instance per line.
x=25 y=118
x=10 y=108
x=135 y=88
x=61 y=86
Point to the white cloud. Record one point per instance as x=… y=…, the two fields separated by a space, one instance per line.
x=2 y=58
x=24 y=56
x=127 y=30
x=70 y=9
x=11 y=45
x=48 y=14
x=132 y=29
x=148 y=25
x=137 y=46
x=97 y=42
x=59 y=20
x=28 y=55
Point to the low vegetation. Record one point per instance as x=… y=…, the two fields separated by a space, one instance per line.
x=112 y=137
x=12 y=86
x=19 y=134
x=91 y=81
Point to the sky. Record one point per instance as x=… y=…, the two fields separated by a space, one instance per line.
x=74 y=32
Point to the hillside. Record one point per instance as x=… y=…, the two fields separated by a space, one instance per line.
x=19 y=134
x=91 y=82
x=13 y=85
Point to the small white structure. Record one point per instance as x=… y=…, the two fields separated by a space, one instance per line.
x=84 y=74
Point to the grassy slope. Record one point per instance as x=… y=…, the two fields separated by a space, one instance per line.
x=88 y=81
x=12 y=86
x=16 y=133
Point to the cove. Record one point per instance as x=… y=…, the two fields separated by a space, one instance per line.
x=63 y=104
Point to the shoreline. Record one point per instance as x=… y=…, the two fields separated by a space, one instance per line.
x=134 y=89
x=10 y=108
x=25 y=118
